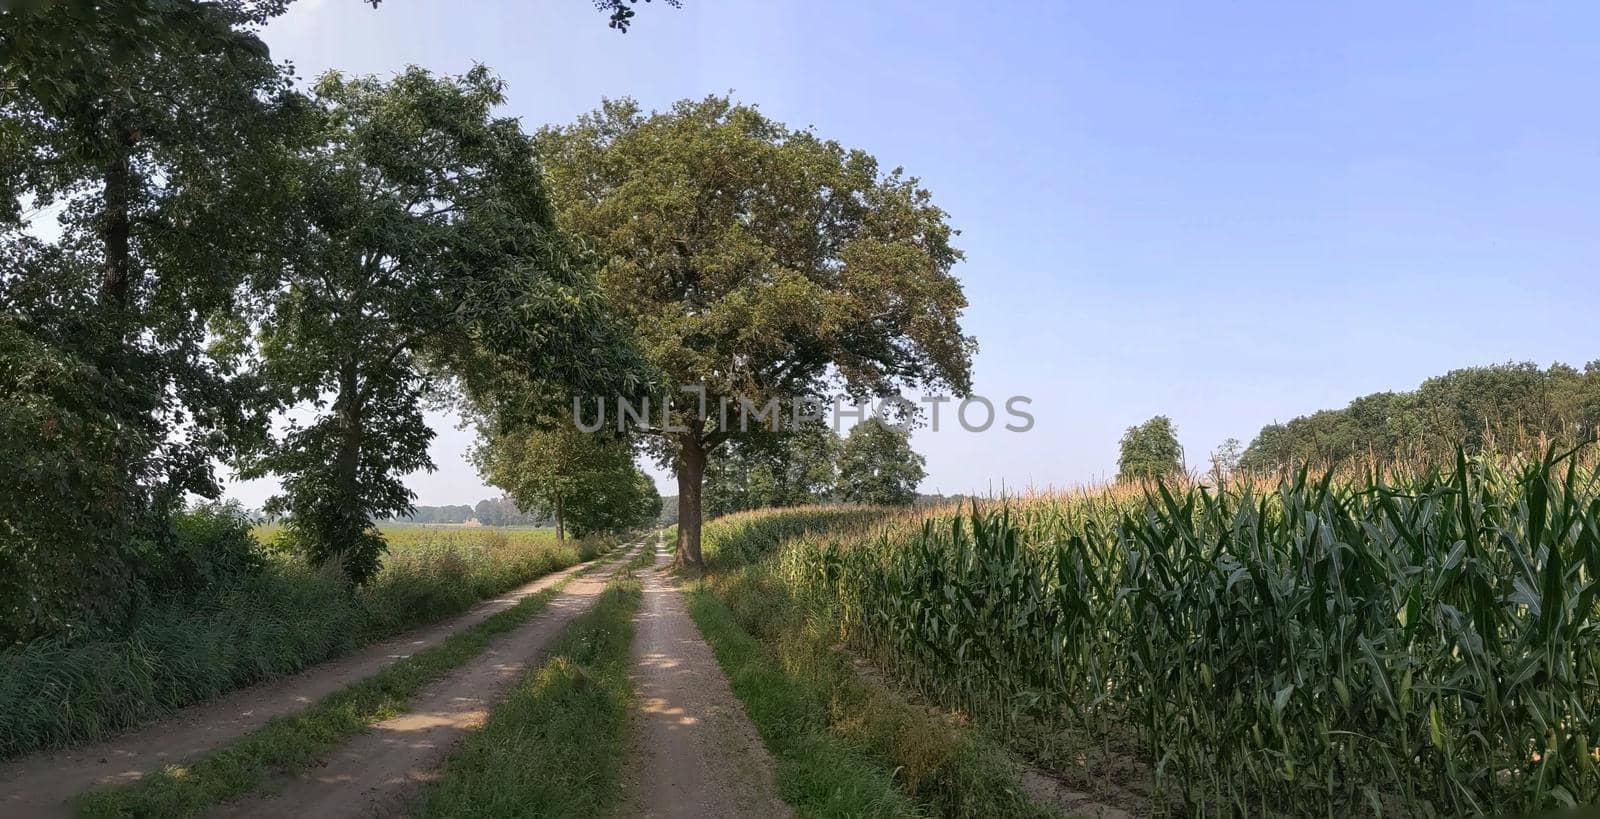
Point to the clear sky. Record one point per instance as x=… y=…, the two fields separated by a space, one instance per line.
x=1230 y=213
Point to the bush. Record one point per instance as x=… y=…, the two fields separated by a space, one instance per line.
x=211 y=547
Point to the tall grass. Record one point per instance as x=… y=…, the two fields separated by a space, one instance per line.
x=280 y=620
x=1407 y=641
x=556 y=745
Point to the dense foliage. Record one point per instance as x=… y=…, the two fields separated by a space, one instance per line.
x=425 y=240
x=194 y=249
x=791 y=468
x=1514 y=404
x=1150 y=451
x=159 y=173
x=1408 y=641
x=878 y=466
x=581 y=481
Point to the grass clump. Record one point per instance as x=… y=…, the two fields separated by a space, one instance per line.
x=555 y=746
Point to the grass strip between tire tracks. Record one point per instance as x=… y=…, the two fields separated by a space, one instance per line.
x=555 y=746
x=253 y=761
x=818 y=773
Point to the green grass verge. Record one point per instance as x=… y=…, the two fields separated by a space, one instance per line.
x=251 y=762
x=845 y=745
x=556 y=745
x=819 y=773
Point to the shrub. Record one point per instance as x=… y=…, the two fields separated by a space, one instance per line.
x=211 y=547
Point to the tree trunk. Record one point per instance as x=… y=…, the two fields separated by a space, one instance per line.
x=561 y=525
x=347 y=467
x=691 y=474
x=116 y=280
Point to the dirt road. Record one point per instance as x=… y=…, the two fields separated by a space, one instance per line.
x=376 y=773
x=693 y=752
x=41 y=784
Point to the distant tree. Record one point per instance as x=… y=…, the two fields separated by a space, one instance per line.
x=668 y=515
x=1225 y=459
x=563 y=474
x=789 y=468
x=1509 y=406
x=1150 y=450
x=440 y=514
x=496 y=512
x=759 y=263
x=878 y=466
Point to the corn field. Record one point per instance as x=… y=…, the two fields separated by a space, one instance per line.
x=1403 y=642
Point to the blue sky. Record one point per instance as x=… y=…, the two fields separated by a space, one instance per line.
x=1228 y=213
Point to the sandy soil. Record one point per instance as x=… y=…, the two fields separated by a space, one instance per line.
x=376 y=773
x=693 y=752
x=40 y=785
x=1046 y=790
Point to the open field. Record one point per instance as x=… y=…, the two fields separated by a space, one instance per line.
x=402 y=536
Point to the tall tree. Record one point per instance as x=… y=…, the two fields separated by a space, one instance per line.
x=427 y=249
x=160 y=156
x=756 y=262
x=1150 y=451
x=878 y=466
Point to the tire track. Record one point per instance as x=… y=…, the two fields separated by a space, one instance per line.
x=378 y=772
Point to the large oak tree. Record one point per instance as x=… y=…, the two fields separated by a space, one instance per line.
x=756 y=261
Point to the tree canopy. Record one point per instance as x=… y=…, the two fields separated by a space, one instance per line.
x=233 y=251
x=754 y=261
x=426 y=242
x=1150 y=451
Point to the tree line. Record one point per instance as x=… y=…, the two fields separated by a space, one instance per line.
x=501 y=511
x=873 y=464
x=281 y=279
x=1512 y=406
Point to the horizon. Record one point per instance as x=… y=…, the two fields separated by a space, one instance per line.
x=1280 y=223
